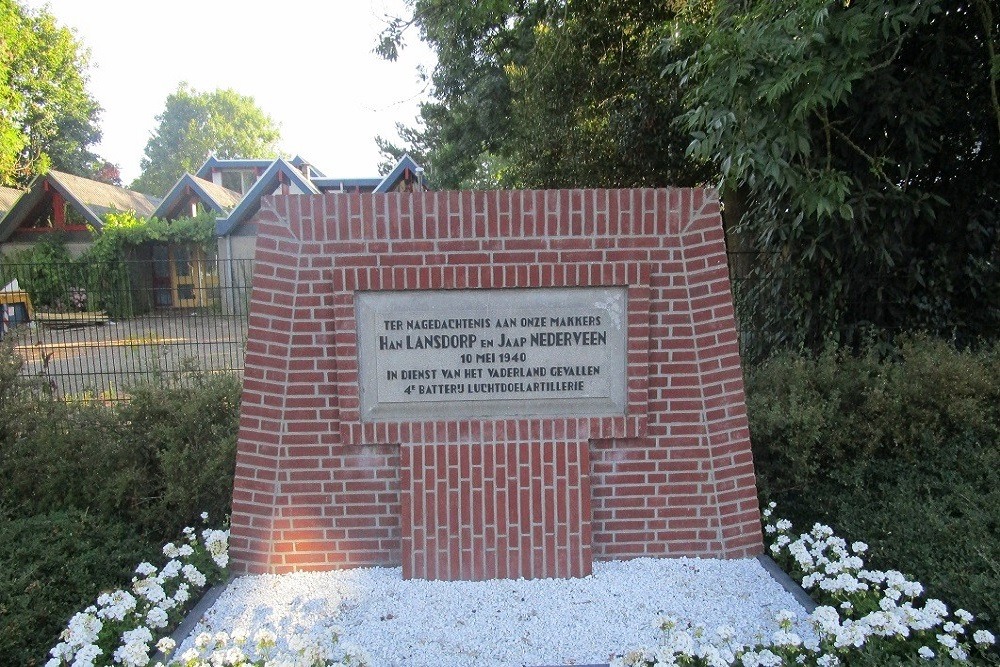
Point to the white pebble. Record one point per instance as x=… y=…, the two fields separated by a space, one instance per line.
x=506 y=622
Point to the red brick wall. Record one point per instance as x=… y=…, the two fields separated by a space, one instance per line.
x=317 y=488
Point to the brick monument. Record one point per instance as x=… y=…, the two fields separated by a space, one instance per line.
x=491 y=385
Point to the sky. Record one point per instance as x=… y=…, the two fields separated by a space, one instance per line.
x=307 y=63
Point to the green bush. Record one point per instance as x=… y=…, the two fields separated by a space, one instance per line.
x=155 y=463
x=900 y=451
x=53 y=565
x=186 y=434
x=87 y=490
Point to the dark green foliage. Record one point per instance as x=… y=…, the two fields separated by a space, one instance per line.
x=54 y=564
x=51 y=278
x=41 y=271
x=546 y=93
x=87 y=491
x=899 y=452
x=155 y=463
x=187 y=438
x=48 y=118
x=860 y=139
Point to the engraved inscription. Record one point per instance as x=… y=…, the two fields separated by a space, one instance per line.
x=491 y=353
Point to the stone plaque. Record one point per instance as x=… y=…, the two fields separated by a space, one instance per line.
x=426 y=355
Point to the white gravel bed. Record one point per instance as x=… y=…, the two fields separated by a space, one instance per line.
x=505 y=622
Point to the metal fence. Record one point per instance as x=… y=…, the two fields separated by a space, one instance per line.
x=92 y=331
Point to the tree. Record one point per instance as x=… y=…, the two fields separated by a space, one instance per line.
x=546 y=93
x=48 y=119
x=474 y=42
x=195 y=125
x=862 y=140
x=589 y=107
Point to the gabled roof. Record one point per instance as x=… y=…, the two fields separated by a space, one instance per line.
x=378 y=184
x=265 y=185
x=205 y=170
x=221 y=164
x=7 y=198
x=393 y=177
x=91 y=198
x=214 y=197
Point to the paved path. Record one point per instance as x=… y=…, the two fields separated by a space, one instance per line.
x=103 y=360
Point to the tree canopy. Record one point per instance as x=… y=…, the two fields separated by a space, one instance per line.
x=195 y=125
x=48 y=119
x=862 y=140
x=545 y=93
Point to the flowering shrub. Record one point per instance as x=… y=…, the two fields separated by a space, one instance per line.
x=866 y=617
x=308 y=648
x=123 y=625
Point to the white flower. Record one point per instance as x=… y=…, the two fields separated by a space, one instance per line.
x=83 y=629
x=204 y=516
x=140 y=634
x=86 y=656
x=192 y=574
x=768 y=659
x=825 y=619
x=926 y=653
x=953 y=628
x=171 y=569
x=166 y=645
x=145 y=569
x=859 y=547
x=785 y=619
x=265 y=639
x=947 y=641
x=958 y=653
x=149 y=589
x=170 y=550
x=828 y=660
x=964 y=616
x=115 y=606
x=132 y=655
x=983 y=637
x=156 y=618
x=785 y=638
x=182 y=594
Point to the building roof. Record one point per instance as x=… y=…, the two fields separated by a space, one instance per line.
x=214 y=197
x=346 y=184
x=7 y=198
x=265 y=185
x=377 y=184
x=406 y=163
x=92 y=199
x=221 y=164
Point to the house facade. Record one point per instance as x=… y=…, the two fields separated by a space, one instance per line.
x=183 y=275
x=186 y=275
x=68 y=205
